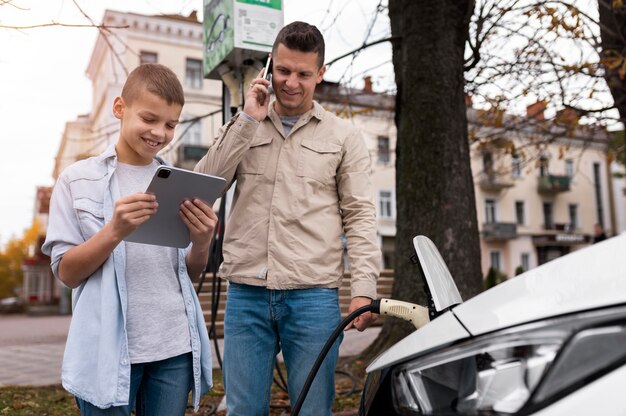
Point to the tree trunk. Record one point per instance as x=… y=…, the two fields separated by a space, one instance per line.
x=434 y=185
x=613 y=40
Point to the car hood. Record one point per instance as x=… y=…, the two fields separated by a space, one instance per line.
x=589 y=278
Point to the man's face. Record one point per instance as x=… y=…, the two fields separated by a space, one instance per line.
x=294 y=77
x=147 y=126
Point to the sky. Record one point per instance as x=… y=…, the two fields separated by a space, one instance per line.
x=43 y=83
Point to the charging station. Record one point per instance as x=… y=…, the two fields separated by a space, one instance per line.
x=238 y=35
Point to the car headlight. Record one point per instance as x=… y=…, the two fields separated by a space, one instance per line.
x=512 y=370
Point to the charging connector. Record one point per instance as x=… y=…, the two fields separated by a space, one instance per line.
x=416 y=314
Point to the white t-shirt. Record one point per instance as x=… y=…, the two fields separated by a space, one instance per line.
x=156 y=321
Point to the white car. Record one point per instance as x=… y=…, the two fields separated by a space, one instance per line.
x=551 y=341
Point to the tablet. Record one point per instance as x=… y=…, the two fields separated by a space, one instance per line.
x=171 y=186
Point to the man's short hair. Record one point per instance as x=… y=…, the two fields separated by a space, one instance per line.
x=301 y=37
x=157 y=79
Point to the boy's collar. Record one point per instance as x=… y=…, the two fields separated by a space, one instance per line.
x=110 y=152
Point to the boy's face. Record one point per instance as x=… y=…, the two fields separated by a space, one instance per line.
x=295 y=75
x=147 y=126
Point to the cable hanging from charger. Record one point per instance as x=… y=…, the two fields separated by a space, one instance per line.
x=411 y=312
x=373 y=307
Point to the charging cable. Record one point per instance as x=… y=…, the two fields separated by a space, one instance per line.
x=416 y=314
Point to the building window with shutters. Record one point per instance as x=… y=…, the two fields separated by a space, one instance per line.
x=192 y=131
x=495 y=259
x=193 y=73
x=516 y=166
x=543 y=166
x=146 y=57
x=569 y=168
x=548 y=219
x=490 y=210
x=573 y=216
x=520 y=215
x=386 y=204
x=525 y=261
x=383 y=150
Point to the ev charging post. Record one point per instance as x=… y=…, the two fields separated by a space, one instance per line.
x=238 y=35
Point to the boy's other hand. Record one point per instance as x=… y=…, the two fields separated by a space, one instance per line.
x=131 y=211
x=200 y=220
x=257 y=98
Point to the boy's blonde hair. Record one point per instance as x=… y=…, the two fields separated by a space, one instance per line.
x=157 y=79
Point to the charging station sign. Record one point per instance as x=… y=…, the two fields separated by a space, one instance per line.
x=236 y=29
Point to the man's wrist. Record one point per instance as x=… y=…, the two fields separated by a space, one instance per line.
x=249 y=117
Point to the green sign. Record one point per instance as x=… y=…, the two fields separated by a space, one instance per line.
x=272 y=4
x=238 y=30
x=219 y=38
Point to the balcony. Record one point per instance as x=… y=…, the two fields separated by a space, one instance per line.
x=561 y=227
x=499 y=231
x=552 y=184
x=493 y=182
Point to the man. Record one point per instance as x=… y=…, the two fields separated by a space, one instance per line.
x=303 y=179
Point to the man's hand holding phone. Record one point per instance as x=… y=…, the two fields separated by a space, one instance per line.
x=258 y=96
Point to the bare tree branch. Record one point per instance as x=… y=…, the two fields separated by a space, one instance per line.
x=103 y=32
x=41 y=25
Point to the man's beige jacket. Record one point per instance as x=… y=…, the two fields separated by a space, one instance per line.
x=294 y=198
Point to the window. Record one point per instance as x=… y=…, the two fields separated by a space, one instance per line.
x=388 y=248
x=147 y=57
x=494 y=257
x=385 y=204
x=490 y=210
x=520 y=217
x=548 y=221
x=488 y=163
x=569 y=168
x=383 y=149
x=573 y=216
x=193 y=73
x=525 y=261
x=598 y=194
x=543 y=166
x=192 y=132
x=516 y=166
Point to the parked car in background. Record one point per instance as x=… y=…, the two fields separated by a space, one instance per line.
x=11 y=305
x=551 y=341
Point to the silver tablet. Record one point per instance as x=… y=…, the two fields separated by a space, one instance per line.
x=172 y=186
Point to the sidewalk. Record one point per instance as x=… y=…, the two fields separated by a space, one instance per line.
x=31 y=348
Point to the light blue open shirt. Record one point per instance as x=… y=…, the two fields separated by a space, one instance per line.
x=96 y=365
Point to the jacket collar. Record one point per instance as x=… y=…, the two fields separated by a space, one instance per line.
x=317 y=111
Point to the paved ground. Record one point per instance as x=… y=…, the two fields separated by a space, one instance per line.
x=31 y=348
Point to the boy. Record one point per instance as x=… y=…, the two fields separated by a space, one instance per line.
x=137 y=337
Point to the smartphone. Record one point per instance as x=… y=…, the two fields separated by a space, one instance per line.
x=267 y=73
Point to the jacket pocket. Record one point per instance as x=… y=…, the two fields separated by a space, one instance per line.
x=255 y=159
x=318 y=160
x=90 y=216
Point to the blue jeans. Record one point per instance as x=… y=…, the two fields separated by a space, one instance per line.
x=261 y=322
x=157 y=388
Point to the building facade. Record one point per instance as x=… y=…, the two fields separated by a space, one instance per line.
x=172 y=40
x=540 y=188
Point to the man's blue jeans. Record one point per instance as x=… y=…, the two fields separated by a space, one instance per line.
x=261 y=322
x=157 y=388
